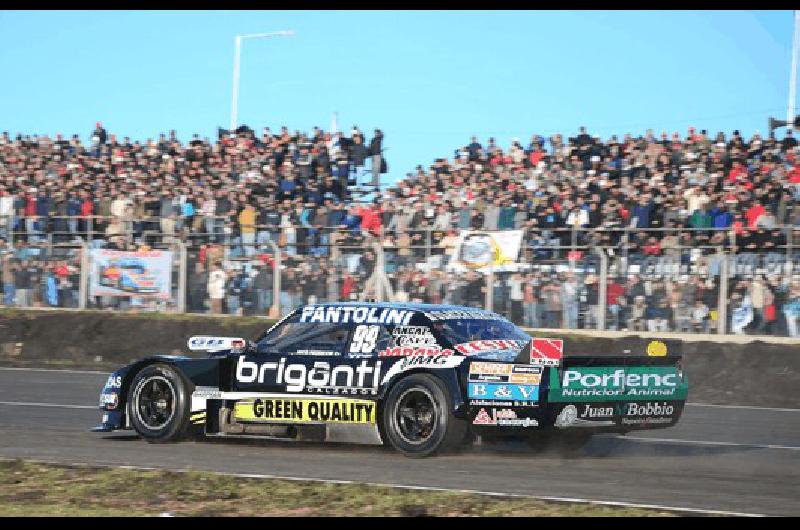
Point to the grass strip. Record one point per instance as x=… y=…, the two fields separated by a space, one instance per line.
x=33 y=489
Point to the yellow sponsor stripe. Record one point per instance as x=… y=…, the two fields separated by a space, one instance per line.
x=306 y=410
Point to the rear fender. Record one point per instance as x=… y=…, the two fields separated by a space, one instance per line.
x=448 y=375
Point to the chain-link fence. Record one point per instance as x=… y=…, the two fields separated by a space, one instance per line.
x=565 y=279
x=41 y=275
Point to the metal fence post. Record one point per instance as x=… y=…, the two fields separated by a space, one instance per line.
x=379 y=271
x=602 y=301
x=489 y=303
x=182 y=271
x=722 y=304
x=427 y=245
x=83 y=282
x=276 y=279
x=789 y=241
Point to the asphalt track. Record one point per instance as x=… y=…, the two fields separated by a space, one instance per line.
x=733 y=459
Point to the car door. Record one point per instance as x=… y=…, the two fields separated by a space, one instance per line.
x=303 y=358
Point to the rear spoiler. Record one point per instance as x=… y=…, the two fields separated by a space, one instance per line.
x=583 y=350
x=627 y=360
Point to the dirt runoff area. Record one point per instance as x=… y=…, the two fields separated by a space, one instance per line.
x=727 y=372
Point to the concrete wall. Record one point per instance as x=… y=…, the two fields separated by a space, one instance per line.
x=724 y=371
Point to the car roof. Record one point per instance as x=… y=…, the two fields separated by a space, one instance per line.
x=401 y=305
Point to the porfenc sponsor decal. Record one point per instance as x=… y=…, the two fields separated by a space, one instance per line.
x=546 y=352
x=321 y=377
x=355 y=314
x=305 y=410
x=617 y=383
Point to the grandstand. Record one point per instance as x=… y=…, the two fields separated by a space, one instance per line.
x=697 y=232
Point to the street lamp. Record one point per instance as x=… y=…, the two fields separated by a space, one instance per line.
x=793 y=72
x=236 y=57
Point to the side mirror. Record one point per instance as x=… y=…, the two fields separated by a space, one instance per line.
x=264 y=349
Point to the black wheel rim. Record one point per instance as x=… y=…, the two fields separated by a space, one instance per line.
x=155 y=402
x=415 y=415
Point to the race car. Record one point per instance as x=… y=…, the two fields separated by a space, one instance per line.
x=424 y=379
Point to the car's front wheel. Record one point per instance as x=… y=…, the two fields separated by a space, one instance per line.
x=418 y=419
x=159 y=403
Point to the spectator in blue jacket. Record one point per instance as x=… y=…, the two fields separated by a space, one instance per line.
x=73 y=211
x=642 y=211
x=721 y=216
x=352 y=221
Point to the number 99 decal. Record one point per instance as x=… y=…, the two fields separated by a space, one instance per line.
x=364 y=339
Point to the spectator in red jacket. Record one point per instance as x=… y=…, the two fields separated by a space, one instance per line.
x=615 y=293
x=753 y=213
x=371 y=219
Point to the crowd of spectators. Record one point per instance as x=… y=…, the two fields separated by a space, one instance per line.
x=59 y=189
x=299 y=191
x=251 y=188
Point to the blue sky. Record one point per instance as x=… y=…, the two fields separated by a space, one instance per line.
x=429 y=79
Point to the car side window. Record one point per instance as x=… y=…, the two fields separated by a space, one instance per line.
x=305 y=338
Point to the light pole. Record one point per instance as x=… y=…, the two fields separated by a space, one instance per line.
x=793 y=73
x=236 y=56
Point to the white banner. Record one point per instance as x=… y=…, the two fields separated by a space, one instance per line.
x=146 y=274
x=478 y=250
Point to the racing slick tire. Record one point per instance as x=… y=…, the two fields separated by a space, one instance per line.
x=418 y=419
x=160 y=403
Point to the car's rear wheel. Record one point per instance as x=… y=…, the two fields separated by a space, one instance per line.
x=159 y=403
x=418 y=418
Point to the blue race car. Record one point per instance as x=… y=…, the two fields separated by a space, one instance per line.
x=422 y=378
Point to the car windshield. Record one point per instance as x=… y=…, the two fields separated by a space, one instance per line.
x=487 y=339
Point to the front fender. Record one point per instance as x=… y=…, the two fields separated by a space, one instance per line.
x=114 y=395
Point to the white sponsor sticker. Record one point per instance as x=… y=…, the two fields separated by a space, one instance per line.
x=415 y=361
x=203 y=343
x=355 y=314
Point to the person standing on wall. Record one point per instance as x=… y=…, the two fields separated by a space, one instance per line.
x=375 y=150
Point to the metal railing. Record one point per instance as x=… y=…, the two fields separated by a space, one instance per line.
x=355 y=265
